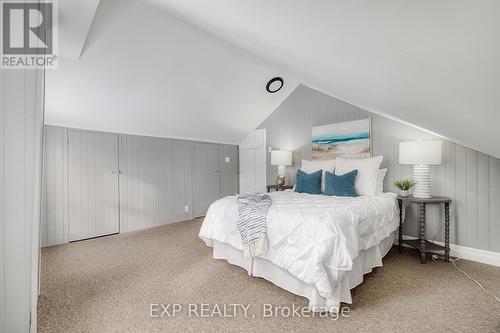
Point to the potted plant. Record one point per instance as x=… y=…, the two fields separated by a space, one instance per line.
x=404 y=186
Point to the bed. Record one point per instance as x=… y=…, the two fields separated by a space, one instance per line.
x=319 y=246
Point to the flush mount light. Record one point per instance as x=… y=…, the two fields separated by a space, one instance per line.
x=274 y=85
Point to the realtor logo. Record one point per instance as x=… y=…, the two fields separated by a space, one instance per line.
x=29 y=34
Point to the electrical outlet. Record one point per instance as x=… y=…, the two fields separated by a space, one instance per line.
x=227 y=159
x=186 y=209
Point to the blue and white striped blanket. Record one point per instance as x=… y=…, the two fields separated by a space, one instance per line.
x=252 y=214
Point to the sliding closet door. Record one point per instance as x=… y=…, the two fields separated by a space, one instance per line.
x=93 y=184
x=205 y=177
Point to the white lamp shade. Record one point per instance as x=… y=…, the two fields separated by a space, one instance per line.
x=280 y=157
x=420 y=152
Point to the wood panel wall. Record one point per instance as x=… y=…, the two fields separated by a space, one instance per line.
x=205 y=177
x=156 y=181
x=55 y=187
x=471 y=178
x=21 y=132
x=229 y=181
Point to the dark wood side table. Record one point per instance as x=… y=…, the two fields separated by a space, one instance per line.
x=278 y=188
x=422 y=244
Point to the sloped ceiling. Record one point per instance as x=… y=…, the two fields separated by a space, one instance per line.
x=75 y=19
x=433 y=64
x=143 y=71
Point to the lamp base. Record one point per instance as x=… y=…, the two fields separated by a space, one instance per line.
x=422 y=178
x=281 y=170
x=280 y=181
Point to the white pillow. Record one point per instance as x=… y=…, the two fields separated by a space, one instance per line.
x=380 y=180
x=315 y=165
x=366 y=181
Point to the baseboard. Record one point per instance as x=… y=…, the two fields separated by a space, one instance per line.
x=469 y=253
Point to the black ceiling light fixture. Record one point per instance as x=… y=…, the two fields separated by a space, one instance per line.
x=274 y=85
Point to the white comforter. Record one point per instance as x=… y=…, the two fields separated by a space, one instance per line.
x=314 y=237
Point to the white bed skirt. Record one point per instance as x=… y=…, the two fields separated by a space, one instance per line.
x=258 y=267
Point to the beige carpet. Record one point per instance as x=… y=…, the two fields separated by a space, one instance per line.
x=107 y=285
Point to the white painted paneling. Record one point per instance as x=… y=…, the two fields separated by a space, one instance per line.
x=182 y=186
x=205 y=177
x=93 y=184
x=55 y=187
x=2 y=202
x=228 y=166
x=495 y=205
x=242 y=173
x=450 y=185
x=465 y=175
x=250 y=170
x=260 y=161
x=21 y=132
x=252 y=153
x=461 y=194
x=143 y=181
x=156 y=181
x=483 y=201
x=471 y=199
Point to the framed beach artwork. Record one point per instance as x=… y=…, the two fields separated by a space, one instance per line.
x=349 y=139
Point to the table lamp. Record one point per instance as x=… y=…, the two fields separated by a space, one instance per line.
x=281 y=159
x=421 y=154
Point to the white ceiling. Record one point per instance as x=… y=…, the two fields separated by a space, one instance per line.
x=75 y=19
x=143 y=71
x=197 y=68
x=433 y=64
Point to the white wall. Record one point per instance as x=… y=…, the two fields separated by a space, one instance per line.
x=21 y=126
x=145 y=72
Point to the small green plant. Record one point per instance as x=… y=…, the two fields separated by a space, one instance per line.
x=404 y=184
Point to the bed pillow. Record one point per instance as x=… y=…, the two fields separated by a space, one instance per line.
x=380 y=180
x=342 y=186
x=366 y=181
x=315 y=165
x=308 y=182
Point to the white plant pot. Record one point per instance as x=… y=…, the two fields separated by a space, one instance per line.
x=404 y=193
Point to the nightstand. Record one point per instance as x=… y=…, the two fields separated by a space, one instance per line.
x=422 y=244
x=278 y=188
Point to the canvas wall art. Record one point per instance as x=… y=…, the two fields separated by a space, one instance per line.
x=348 y=139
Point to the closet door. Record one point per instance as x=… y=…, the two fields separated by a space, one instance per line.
x=206 y=188
x=252 y=153
x=228 y=166
x=93 y=184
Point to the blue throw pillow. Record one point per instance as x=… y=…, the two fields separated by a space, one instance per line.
x=342 y=186
x=308 y=182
